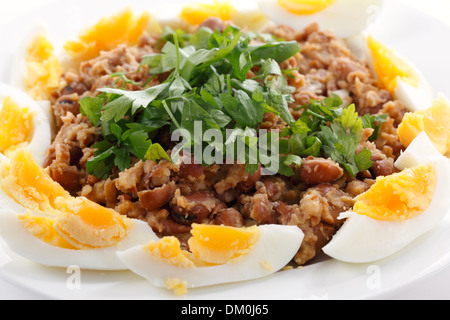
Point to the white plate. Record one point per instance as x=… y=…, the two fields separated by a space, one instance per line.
x=415 y=35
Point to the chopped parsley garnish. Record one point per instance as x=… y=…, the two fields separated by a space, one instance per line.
x=327 y=129
x=208 y=82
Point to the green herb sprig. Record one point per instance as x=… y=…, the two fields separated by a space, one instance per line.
x=208 y=81
x=327 y=128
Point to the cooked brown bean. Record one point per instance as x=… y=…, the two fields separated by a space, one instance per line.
x=317 y=170
x=64 y=105
x=383 y=167
x=192 y=171
x=161 y=222
x=258 y=208
x=66 y=176
x=75 y=87
x=229 y=217
x=110 y=193
x=275 y=188
x=193 y=208
x=171 y=227
x=284 y=212
x=249 y=184
x=156 y=198
x=61 y=171
x=229 y=195
x=214 y=23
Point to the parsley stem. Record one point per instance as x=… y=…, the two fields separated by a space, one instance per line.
x=177 y=46
x=169 y=112
x=321 y=117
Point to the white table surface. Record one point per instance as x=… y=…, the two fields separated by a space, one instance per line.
x=435 y=287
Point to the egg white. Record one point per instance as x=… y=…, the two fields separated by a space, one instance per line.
x=363 y=239
x=419 y=151
x=415 y=98
x=345 y=17
x=276 y=247
x=42 y=128
x=24 y=244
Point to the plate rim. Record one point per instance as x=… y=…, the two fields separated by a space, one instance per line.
x=433 y=269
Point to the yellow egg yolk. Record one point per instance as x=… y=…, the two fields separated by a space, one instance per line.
x=43 y=68
x=389 y=67
x=198 y=12
x=209 y=245
x=399 y=197
x=80 y=222
x=29 y=185
x=168 y=249
x=84 y=208
x=43 y=228
x=179 y=286
x=434 y=121
x=305 y=7
x=221 y=244
x=16 y=125
x=87 y=225
x=107 y=34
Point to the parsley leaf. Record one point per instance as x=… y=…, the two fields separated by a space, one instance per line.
x=374 y=122
x=242 y=108
x=156 y=152
x=279 y=51
x=341 y=139
x=92 y=107
x=133 y=100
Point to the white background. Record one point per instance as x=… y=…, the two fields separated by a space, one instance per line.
x=435 y=287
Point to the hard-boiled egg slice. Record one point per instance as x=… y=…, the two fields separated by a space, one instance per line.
x=29 y=185
x=43 y=68
x=36 y=67
x=23 y=123
x=345 y=17
x=397 y=209
x=125 y=27
x=36 y=239
x=399 y=76
x=218 y=254
x=58 y=229
x=433 y=120
x=244 y=14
